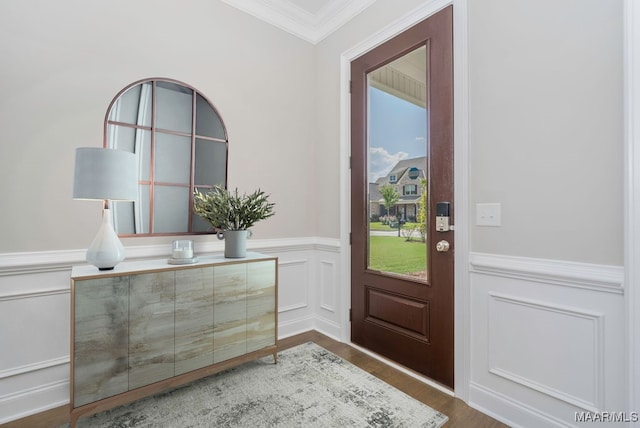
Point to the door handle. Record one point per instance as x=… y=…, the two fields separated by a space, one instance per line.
x=442 y=246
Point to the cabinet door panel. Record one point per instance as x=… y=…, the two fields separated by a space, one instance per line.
x=151 y=328
x=229 y=311
x=101 y=335
x=261 y=305
x=194 y=319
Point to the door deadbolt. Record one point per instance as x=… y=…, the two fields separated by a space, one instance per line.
x=442 y=217
x=442 y=246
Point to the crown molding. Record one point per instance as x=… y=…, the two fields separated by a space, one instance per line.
x=312 y=27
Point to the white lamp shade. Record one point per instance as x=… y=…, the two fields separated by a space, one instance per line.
x=105 y=174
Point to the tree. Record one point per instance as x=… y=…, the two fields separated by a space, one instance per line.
x=422 y=210
x=390 y=196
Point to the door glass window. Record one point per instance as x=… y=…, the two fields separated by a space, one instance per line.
x=397 y=166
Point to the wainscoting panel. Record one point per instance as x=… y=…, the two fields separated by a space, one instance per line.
x=34 y=342
x=546 y=337
x=34 y=312
x=32 y=333
x=330 y=312
x=545 y=342
x=294 y=275
x=519 y=351
x=327 y=285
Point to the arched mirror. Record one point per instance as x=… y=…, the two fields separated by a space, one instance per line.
x=181 y=145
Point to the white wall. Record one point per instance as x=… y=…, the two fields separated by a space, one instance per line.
x=546 y=289
x=64 y=61
x=382 y=13
x=546 y=134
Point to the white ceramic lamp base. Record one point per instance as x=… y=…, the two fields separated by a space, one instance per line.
x=106 y=250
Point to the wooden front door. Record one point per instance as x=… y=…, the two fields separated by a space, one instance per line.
x=402 y=162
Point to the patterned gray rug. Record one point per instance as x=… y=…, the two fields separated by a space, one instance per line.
x=309 y=387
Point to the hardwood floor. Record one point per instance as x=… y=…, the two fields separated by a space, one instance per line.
x=460 y=415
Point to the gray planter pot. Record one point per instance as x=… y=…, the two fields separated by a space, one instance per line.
x=235 y=243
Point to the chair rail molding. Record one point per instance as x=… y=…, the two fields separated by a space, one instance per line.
x=604 y=278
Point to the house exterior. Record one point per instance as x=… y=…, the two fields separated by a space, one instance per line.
x=406 y=177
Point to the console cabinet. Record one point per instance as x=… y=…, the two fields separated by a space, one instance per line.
x=148 y=326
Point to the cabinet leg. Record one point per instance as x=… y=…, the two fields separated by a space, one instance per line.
x=275 y=357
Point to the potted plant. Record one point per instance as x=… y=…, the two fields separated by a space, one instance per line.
x=232 y=214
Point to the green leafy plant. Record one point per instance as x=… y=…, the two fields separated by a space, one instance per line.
x=390 y=196
x=422 y=210
x=228 y=210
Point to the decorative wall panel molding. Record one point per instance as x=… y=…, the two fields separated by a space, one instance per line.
x=603 y=278
x=33 y=294
x=327 y=285
x=34 y=367
x=532 y=331
x=546 y=339
x=294 y=273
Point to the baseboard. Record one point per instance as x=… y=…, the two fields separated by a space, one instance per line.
x=294 y=327
x=484 y=399
x=327 y=327
x=33 y=400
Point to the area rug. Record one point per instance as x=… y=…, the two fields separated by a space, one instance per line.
x=309 y=387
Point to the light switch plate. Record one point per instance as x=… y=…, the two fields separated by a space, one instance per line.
x=488 y=214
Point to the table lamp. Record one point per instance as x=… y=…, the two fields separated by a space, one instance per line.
x=105 y=174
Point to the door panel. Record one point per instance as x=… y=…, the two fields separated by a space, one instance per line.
x=402 y=288
x=406 y=315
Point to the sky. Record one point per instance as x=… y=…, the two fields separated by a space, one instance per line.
x=397 y=131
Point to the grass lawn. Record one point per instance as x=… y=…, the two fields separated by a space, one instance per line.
x=393 y=254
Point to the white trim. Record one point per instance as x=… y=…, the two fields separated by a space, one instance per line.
x=51 y=261
x=528 y=416
x=29 y=368
x=462 y=298
x=597 y=323
x=632 y=197
x=461 y=150
x=32 y=294
x=312 y=27
x=42 y=397
x=602 y=278
x=398 y=26
x=40 y=261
